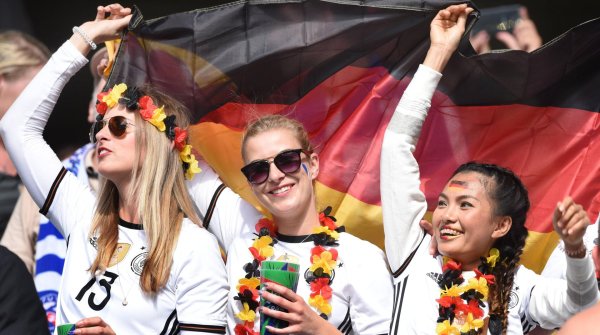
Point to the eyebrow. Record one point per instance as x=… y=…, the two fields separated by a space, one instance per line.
x=460 y=197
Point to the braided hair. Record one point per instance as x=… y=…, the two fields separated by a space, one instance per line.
x=509 y=197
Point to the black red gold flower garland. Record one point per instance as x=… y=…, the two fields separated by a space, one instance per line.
x=320 y=274
x=464 y=302
x=133 y=100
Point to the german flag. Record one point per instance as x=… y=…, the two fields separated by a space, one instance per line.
x=340 y=68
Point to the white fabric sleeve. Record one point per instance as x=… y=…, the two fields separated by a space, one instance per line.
x=21 y=129
x=371 y=299
x=556 y=265
x=553 y=301
x=403 y=203
x=232 y=216
x=201 y=283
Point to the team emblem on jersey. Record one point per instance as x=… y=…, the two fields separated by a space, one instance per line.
x=513 y=299
x=119 y=254
x=437 y=277
x=94 y=242
x=309 y=276
x=137 y=264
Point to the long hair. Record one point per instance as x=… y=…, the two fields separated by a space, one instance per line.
x=509 y=197
x=160 y=193
x=20 y=52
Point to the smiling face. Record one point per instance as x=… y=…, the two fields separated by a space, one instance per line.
x=464 y=223
x=117 y=155
x=284 y=195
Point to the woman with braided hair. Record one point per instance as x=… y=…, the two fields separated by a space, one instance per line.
x=475 y=285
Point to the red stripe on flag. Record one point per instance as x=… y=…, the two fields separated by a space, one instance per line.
x=554 y=150
x=345 y=116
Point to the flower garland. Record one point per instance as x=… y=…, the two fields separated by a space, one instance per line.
x=133 y=100
x=320 y=274
x=464 y=302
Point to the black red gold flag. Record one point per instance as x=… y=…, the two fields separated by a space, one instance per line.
x=340 y=68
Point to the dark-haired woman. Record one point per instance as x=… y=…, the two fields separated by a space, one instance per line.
x=476 y=285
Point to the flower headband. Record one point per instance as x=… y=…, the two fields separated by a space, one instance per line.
x=134 y=100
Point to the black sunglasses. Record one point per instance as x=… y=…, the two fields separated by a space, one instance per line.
x=287 y=161
x=116 y=124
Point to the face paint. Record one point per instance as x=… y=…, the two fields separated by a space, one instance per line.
x=305 y=169
x=457 y=184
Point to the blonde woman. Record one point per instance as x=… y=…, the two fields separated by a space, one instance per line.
x=344 y=286
x=137 y=261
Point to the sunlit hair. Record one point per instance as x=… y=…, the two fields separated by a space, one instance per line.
x=159 y=193
x=271 y=122
x=19 y=53
x=508 y=197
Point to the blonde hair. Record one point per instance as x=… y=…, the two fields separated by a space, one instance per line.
x=276 y=121
x=20 y=52
x=161 y=197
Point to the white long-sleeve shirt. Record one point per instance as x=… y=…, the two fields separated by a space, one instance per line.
x=534 y=299
x=195 y=295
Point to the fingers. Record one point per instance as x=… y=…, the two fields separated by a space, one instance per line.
x=481 y=42
x=570 y=208
x=116 y=9
x=577 y=224
x=99 y=13
x=523 y=13
x=462 y=17
x=508 y=39
x=455 y=15
x=285 y=316
x=426 y=226
x=286 y=330
x=281 y=296
x=282 y=291
x=93 y=325
x=570 y=221
x=90 y=322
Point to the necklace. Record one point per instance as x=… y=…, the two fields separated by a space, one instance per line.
x=460 y=304
x=323 y=259
x=124 y=302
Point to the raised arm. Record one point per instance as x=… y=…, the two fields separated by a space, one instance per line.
x=403 y=202
x=22 y=126
x=552 y=302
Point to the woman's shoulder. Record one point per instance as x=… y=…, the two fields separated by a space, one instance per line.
x=191 y=234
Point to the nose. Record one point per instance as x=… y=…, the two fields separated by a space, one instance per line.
x=449 y=214
x=102 y=134
x=275 y=175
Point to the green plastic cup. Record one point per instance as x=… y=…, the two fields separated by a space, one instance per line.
x=282 y=273
x=66 y=329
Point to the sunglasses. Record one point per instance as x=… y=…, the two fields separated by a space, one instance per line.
x=116 y=124
x=287 y=161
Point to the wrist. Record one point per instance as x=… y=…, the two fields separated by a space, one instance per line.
x=576 y=250
x=438 y=56
x=81 y=33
